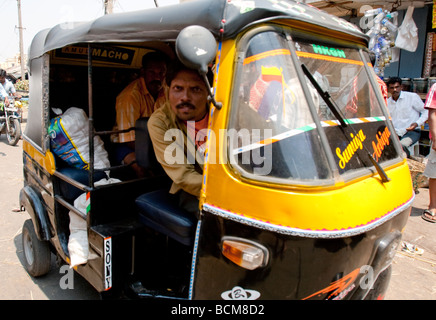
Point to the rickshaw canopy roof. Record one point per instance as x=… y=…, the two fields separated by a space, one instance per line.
x=224 y=18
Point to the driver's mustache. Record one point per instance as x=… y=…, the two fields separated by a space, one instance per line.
x=185 y=104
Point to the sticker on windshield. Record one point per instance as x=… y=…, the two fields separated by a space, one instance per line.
x=328 y=51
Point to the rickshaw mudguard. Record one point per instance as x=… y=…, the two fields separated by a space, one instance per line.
x=32 y=201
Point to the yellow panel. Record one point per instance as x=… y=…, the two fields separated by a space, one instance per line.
x=348 y=206
x=46 y=161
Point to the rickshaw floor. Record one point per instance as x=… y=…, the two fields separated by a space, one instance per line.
x=162 y=267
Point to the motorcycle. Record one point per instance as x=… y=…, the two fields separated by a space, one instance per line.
x=10 y=121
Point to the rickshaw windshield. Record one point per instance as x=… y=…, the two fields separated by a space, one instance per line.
x=273 y=131
x=339 y=71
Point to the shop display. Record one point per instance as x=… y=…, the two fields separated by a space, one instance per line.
x=407 y=84
x=420 y=85
x=382 y=37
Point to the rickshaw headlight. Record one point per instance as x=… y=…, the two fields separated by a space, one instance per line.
x=245 y=253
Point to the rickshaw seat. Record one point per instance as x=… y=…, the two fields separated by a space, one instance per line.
x=159 y=210
x=144 y=151
x=70 y=192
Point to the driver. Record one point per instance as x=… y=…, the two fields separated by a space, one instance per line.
x=185 y=111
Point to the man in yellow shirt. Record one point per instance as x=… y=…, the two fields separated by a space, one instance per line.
x=139 y=99
x=178 y=133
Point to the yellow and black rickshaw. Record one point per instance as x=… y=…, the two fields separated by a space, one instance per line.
x=306 y=191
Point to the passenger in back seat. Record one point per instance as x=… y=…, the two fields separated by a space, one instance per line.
x=139 y=99
x=172 y=129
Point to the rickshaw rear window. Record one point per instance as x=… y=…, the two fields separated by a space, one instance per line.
x=274 y=132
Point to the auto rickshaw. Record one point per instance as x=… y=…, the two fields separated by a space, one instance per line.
x=306 y=191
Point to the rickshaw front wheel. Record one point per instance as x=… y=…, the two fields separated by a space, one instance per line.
x=36 y=252
x=14 y=133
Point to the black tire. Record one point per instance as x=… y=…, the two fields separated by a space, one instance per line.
x=14 y=134
x=37 y=255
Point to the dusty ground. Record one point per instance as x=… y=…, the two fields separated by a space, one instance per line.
x=414 y=278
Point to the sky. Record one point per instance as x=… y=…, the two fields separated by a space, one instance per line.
x=37 y=15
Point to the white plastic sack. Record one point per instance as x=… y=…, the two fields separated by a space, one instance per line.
x=407 y=37
x=69 y=140
x=78 y=241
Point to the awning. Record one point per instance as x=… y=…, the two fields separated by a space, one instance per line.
x=343 y=8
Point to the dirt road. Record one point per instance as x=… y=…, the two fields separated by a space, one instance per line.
x=413 y=278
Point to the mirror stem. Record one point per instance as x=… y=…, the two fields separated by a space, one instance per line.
x=211 y=98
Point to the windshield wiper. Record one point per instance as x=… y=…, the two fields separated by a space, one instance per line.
x=335 y=110
x=325 y=96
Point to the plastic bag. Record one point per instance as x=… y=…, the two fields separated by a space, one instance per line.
x=69 y=140
x=407 y=37
x=78 y=248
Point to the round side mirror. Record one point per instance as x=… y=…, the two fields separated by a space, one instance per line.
x=196 y=48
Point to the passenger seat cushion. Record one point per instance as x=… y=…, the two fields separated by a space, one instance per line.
x=70 y=192
x=160 y=211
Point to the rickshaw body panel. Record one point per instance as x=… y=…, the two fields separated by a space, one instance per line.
x=328 y=213
x=36 y=195
x=303 y=226
x=299 y=268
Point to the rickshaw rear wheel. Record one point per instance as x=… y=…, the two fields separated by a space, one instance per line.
x=36 y=252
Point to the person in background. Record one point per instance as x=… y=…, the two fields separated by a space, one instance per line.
x=430 y=168
x=187 y=113
x=4 y=96
x=7 y=88
x=139 y=99
x=407 y=113
x=7 y=85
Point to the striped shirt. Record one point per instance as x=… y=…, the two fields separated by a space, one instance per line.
x=430 y=100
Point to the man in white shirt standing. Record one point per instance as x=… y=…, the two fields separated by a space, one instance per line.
x=407 y=113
